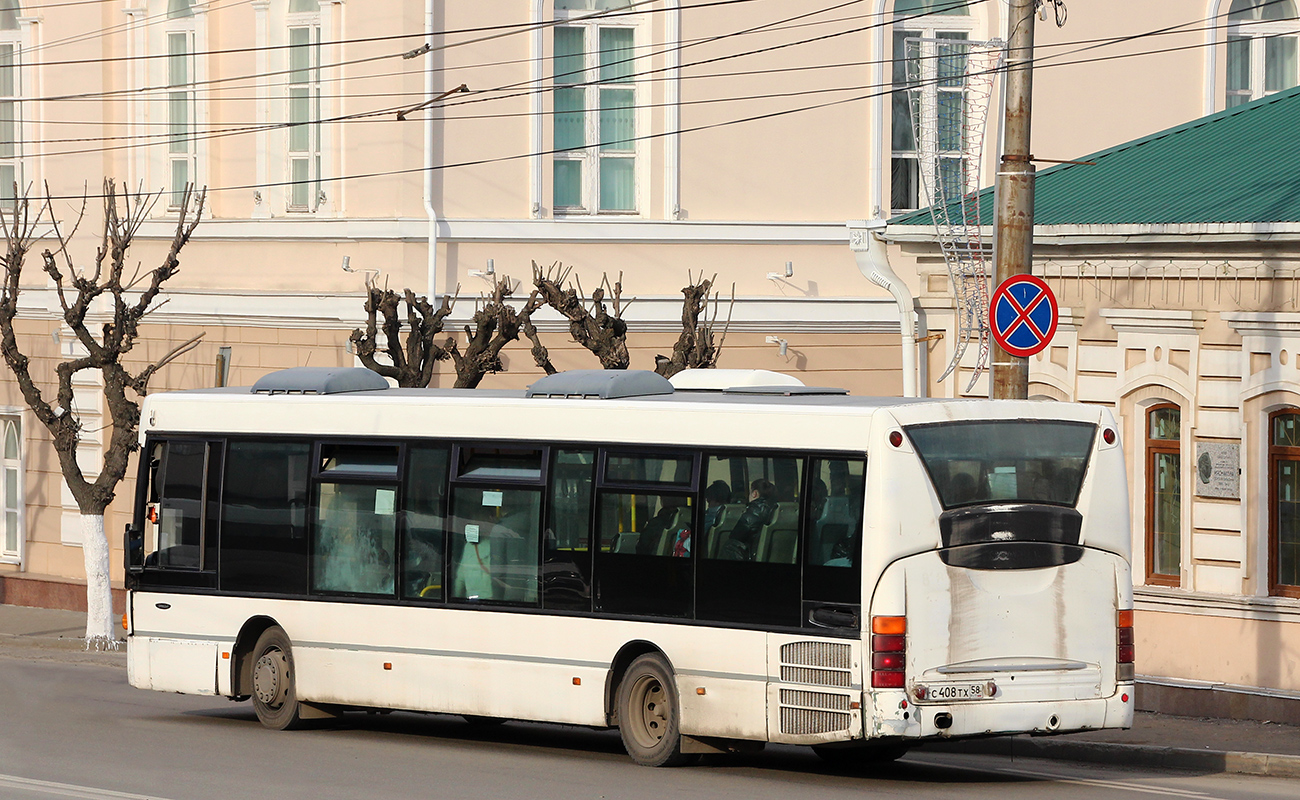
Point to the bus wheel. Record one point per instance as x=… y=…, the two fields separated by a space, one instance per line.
x=860 y=756
x=274 y=697
x=649 y=715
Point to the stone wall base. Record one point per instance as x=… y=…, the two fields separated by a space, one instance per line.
x=60 y=593
x=1216 y=701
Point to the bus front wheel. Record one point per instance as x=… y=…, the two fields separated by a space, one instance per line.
x=649 y=714
x=274 y=697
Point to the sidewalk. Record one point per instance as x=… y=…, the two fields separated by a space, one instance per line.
x=45 y=634
x=1156 y=740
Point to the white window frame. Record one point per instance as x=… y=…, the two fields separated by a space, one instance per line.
x=165 y=162
x=313 y=155
x=1257 y=34
x=13 y=38
x=12 y=504
x=592 y=155
x=925 y=27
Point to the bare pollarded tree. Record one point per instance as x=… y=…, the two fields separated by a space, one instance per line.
x=595 y=328
x=103 y=307
x=414 y=349
x=699 y=344
x=603 y=330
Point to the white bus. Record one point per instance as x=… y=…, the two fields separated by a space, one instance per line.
x=705 y=571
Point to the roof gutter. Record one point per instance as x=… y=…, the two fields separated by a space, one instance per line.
x=873 y=262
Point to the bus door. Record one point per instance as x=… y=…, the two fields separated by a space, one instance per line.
x=171 y=552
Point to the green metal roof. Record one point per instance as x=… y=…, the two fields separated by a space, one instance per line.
x=1237 y=166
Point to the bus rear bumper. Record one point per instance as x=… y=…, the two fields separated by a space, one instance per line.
x=977 y=718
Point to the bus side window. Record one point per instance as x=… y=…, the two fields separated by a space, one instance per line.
x=833 y=533
x=494 y=540
x=566 y=556
x=356 y=535
x=426 y=510
x=175 y=511
x=264 y=517
x=835 y=513
x=748 y=570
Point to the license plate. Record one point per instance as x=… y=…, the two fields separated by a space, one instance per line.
x=959 y=691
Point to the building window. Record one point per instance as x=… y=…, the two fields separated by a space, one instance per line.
x=1284 y=504
x=11 y=501
x=1261 y=49
x=930 y=77
x=304 y=111
x=594 y=128
x=1164 y=495
x=181 y=103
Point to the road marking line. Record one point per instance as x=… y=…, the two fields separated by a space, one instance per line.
x=69 y=790
x=1131 y=787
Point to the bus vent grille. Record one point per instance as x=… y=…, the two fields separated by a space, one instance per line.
x=815 y=700
x=804 y=721
x=816 y=677
x=817 y=654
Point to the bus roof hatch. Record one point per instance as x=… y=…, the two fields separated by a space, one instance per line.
x=320 y=380
x=605 y=384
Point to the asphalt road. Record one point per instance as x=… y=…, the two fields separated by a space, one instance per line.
x=78 y=730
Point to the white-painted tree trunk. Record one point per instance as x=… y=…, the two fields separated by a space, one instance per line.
x=99 y=596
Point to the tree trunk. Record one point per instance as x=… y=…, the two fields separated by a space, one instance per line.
x=100 y=634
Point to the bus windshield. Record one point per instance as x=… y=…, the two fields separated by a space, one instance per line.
x=972 y=463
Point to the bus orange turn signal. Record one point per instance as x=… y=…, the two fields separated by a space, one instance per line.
x=124 y=623
x=889 y=624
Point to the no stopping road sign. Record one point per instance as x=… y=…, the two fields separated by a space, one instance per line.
x=1023 y=315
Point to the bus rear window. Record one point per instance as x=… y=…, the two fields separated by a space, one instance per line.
x=1024 y=461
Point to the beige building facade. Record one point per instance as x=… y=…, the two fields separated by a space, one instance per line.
x=658 y=140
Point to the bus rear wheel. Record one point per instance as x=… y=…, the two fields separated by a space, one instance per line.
x=275 y=698
x=649 y=714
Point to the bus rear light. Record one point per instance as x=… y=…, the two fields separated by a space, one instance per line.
x=887 y=661
x=888 y=652
x=896 y=438
x=888 y=644
x=886 y=680
x=889 y=624
x=1108 y=435
x=1124 y=646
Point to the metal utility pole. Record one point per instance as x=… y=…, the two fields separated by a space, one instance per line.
x=1013 y=235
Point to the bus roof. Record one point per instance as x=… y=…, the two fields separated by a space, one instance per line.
x=773 y=417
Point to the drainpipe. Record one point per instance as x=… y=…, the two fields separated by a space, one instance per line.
x=429 y=210
x=869 y=251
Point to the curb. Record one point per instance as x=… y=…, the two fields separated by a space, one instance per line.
x=1137 y=755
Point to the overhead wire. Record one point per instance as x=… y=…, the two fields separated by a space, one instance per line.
x=881 y=91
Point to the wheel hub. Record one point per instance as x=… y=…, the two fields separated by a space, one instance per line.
x=269 y=678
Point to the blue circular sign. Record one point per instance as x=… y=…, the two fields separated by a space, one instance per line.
x=1023 y=315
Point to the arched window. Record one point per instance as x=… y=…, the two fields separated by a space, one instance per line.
x=1261 y=49
x=304 y=110
x=1284 y=503
x=1164 y=495
x=10 y=95
x=941 y=101
x=594 y=170
x=11 y=502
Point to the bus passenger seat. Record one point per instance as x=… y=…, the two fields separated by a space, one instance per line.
x=777 y=539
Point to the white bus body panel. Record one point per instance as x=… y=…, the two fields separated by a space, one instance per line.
x=520 y=666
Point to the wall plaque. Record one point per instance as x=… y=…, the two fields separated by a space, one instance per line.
x=1218 y=469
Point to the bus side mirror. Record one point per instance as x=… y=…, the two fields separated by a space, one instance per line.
x=133 y=549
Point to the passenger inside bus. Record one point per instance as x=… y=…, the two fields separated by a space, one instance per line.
x=762 y=507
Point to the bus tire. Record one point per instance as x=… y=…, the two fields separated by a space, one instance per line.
x=649 y=714
x=275 y=698
x=861 y=756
